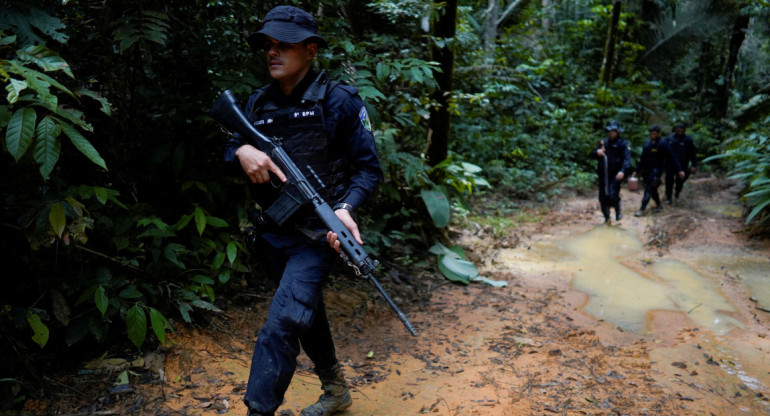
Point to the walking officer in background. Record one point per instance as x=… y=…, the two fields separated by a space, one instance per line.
x=613 y=160
x=655 y=156
x=683 y=148
x=324 y=125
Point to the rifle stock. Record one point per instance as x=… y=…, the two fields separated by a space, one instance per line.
x=227 y=113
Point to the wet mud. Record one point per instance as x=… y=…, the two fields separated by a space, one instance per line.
x=666 y=314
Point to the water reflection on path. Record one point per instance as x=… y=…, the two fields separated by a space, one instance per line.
x=624 y=285
x=751 y=271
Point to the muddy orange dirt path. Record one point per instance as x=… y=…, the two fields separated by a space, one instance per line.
x=664 y=314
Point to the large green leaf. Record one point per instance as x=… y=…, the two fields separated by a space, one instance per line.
x=454 y=266
x=171 y=251
x=18 y=135
x=219 y=260
x=101 y=300
x=184 y=310
x=37 y=80
x=438 y=206
x=74 y=116
x=41 y=330
x=14 y=88
x=105 y=194
x=232 y=252
x=203 y=279
x=457 y=270
x=130 y=292
x=757 y=209
x=57 y=218
x=81 y=143
x=45 y=59
x=371 y=93
x=136 y=325
x=47 y=146
x=215 y=222
x=205 y=305
x=159 y=324
x=454 y=251
x=106 y=106
x=30 y=22
x=8 y=40
x=200 y=220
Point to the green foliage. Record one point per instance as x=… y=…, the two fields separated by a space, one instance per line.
x=30 y=98
x=104 y=264
x=150 y=26
x=453 y=264
x=30 y=22
x=749 y=160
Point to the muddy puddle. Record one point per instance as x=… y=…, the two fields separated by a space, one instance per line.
x=626 y=286
x=659 y=296
x=728 y=210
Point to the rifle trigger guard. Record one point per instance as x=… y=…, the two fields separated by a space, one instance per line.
x=227 y=132
x=353 y=266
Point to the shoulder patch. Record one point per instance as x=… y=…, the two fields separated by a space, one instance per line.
x=364 y=117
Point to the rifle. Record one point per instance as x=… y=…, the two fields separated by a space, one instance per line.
x=297 y=192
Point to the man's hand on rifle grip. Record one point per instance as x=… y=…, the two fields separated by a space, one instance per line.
x=347 y=221
x=257 y=164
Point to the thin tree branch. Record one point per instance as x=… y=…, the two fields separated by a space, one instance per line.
x=507 y=13
x=88 y=250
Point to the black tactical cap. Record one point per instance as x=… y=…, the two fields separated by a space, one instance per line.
x=614 y=125
x=287 y=24
x=681 y=126
x=655 y=127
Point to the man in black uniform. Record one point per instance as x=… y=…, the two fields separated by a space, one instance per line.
x=613 y=160
x=324 y=126
x=655 y=155
x=683 y=147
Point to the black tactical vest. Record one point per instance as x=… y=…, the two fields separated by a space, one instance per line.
x=300 y=130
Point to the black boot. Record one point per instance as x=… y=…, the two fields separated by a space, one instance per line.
x=605 y=210
x=336 y=395
x=618 y=214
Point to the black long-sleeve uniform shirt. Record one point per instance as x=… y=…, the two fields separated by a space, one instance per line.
x=683 y=147
x=618 y=157
x=657 y=154
x=345 y=119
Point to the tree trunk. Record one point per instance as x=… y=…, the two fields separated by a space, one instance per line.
x=440 y=120
x=489 y=33
x=493 y=19
x=651 y=15
x=547 y=14
x=736 y=40
x=605 y=75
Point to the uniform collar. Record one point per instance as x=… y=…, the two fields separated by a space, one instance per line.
x=296 y=94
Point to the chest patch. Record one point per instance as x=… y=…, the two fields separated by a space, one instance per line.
x=303 y=114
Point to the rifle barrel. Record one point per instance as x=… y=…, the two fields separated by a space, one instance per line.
x=393 y=305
